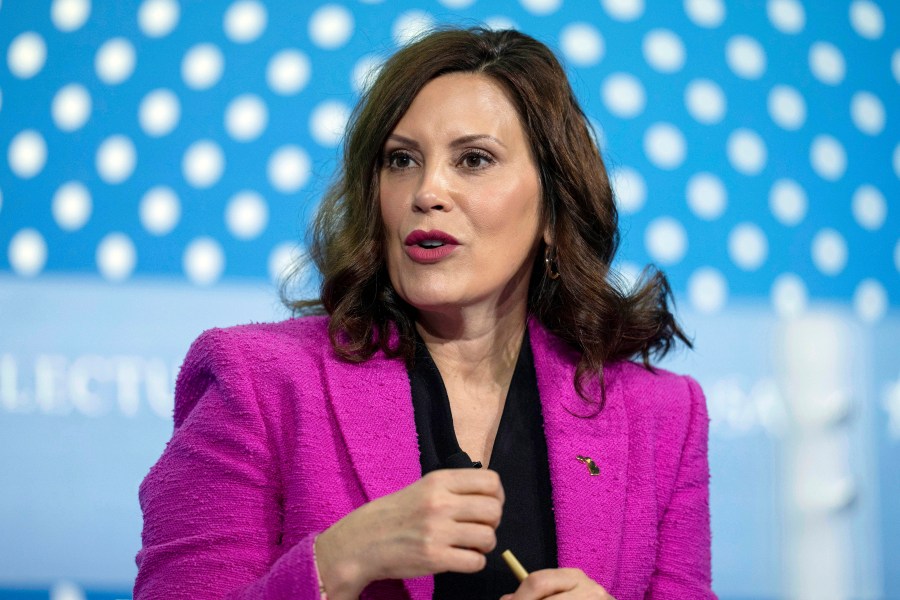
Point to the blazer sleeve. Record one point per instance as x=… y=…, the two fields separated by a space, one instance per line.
x=683 y=563
x=212 y=503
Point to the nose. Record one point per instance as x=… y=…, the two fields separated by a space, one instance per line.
x=432 y=192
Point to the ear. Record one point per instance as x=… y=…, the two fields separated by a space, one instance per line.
x=548 y=237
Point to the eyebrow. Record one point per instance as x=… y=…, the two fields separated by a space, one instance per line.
x=460 y=141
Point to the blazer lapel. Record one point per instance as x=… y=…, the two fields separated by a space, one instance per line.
x=589 y=509
x=372 y=405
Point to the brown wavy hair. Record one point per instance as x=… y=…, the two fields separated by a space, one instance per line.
x=587 y=306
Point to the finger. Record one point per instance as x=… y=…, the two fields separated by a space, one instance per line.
x=473 y=536
x=470 y=481
x=547 y=582
x=478 y=509
x=462 y=560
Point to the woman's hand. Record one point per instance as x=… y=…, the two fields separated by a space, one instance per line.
x=446 y=521
x=570 y=584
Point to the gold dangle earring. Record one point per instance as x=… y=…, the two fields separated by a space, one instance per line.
x=551 y=262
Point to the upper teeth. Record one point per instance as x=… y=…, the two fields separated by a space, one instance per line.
x=431 y=244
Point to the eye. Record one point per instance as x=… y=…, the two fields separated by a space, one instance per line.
x=476 y=160
x=399 y=160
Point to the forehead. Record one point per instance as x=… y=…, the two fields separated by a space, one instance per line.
x=461 y=104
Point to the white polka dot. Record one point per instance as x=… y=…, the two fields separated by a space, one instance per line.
x=26 y=55
x=246 y=117
x=288 y=169
x=202 y=66
x=582 y=44
x=69 y=15
x=787 y=201
x=664 y=145
x=116 y=257
x=411 y=25
x=541 y=7
x=27 y=252
x=663 y=51
x=115 y=61
x=707 y=290
x=157 y=18
x=203 y=164
x=116 y=159
x=788 y=296
x=746 y=151
x=66 y=590
x=630 y=190
x=203 y=261
x=705 y=13
x=282 y=260
x=870 y=301
x=27 y=154
x=787 y=107
x=159 y=112
x=666 y=240
x=827 y=63
x=159 y=210
x=288 y=72
x=867 y=113
x=869 y=207
x=327 y=123
x=706 y=196
x=705 y=101
x=745 y=57
x=245 y=21
x=72 y=206
x=246 y=215
x=787 y=16
x=500 y=23
x=71 y=107
x=623 y=95
x=895 y=65
x=829 y=251
x=828 y=157
x=867 y=19
x=331 y=26
x=457 y=3
x=623 y=10
x=747 y=246
x=365 y=72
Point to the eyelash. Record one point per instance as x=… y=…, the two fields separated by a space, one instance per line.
x=393 y=155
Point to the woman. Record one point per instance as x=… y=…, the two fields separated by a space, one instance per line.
x=471 y=321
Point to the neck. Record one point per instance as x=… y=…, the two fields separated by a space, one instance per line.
x=477 y=346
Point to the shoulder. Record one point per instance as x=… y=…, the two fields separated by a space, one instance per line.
x=303 y=334
x=650 y=386
x=293 y=340
x=660 y=401
x=241 y=358
x=667 y=420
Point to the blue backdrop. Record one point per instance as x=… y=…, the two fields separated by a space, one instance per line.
x=161 y=160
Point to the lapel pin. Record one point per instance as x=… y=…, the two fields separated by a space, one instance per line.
x=593 y=469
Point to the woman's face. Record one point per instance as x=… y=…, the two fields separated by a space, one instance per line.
x=460 y=198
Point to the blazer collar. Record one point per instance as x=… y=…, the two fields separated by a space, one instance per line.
x=589 y=509
x=372 y=404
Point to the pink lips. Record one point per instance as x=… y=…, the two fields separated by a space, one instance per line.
x=421 y=245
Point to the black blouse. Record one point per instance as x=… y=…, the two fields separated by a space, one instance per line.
x=519 y=456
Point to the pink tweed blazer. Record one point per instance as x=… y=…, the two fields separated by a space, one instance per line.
x=276 y=438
